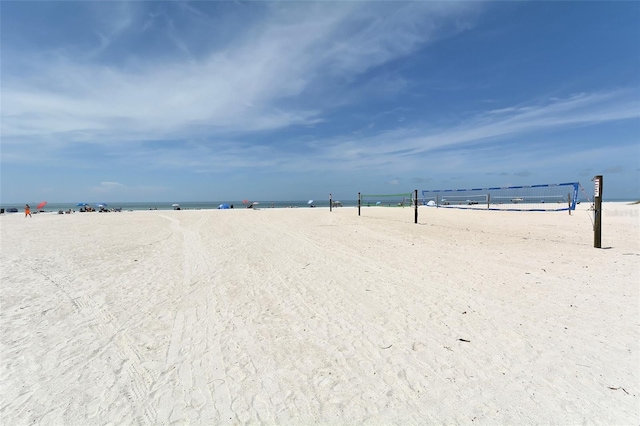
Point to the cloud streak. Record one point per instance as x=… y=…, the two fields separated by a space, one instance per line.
x=298 y=88
x=269 y=68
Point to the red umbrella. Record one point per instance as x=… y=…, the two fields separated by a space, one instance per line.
x=42 y=204
x=245 y=201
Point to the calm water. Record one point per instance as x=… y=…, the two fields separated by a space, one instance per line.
x=194 y=205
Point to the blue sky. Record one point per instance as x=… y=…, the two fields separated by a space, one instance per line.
x=205 y=101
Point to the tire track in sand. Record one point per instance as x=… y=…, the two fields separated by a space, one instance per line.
x=134 y=378
x=193 y=387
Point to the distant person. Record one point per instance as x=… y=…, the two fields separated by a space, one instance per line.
x=27 y=211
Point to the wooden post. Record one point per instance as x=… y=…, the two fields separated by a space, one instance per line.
x=358 y=204
x=597 y=212
x=488 y=201
x=569 y=199
x=416 y=203
x=330 y=202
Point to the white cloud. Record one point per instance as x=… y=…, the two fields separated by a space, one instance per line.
x=582 y=110
x=291 y=69
x=245 y=87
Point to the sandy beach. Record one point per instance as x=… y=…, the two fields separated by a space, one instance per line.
x=305 y=316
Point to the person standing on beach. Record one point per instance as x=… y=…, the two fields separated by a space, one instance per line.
x=27 y=211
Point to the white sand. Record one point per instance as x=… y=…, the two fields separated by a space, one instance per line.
x=299 y=316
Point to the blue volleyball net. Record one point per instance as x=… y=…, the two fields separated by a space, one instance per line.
x=547 y=197
x=387 y=200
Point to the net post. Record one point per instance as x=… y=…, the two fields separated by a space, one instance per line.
x=597 y=211
x=330 y=203
x=569 y=199
x=358 y=204
x=488 y=201
x=415 y=202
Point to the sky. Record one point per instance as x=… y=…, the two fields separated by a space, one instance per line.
x=291 y=100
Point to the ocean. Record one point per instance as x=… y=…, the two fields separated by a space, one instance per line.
x=190 y=205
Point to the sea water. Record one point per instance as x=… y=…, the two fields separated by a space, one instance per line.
x=189 y=205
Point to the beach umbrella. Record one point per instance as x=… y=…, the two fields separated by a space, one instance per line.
x=82 y=204
x=101 y=204
x=42 y=204
x=224 y=206
x=245 y=201
x=310 y=202
x=175 y=205
x=378 y=203
x=255 y=202
x=431 y=203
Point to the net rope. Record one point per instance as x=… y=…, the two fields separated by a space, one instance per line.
x=387 y=200
x=545 y=197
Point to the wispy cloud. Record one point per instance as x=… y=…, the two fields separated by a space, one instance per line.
x=483 y=129
x=111 y=22
x=268 y=69
x=294 y=87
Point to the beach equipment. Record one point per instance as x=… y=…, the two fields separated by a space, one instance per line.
x=255 y=202
x=406 y=199
x=101 y=204
x=431 y=203
x=82 y=204
x=175 y=205
x=544 y=197
x=310 y=202
x=245 y=201
x=402 y=200
x=42 y=204
x=224 y=206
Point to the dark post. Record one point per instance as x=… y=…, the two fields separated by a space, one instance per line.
x=488 y=201
x=597 y=212
x=415 y=197
x=358 y=204
x=330 y=202
x=569 y=199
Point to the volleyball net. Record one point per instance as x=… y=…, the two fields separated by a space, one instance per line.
x=546 y=197
x=406 y=199
x=386 y=200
